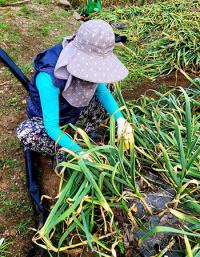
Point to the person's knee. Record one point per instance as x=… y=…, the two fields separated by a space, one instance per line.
x=23 y=132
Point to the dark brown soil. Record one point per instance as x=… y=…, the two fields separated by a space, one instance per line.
x=175 y=79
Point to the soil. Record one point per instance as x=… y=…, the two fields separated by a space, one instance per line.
x=21 y=39
x=174 y=79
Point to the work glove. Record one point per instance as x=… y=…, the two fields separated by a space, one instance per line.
x=124 y=130
x=86 y=156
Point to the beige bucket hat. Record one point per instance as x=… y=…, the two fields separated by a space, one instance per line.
x=89 y=57
x=92 y=57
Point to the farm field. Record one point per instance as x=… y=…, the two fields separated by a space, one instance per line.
x=140 y=202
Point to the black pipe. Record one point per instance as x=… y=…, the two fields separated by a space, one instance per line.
x=14 y=69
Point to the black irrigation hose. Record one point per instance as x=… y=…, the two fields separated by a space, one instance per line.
x=14 y=68
x=33 y=187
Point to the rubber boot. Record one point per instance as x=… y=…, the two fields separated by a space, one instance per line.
x=33 y=188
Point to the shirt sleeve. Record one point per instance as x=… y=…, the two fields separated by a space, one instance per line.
x=49 y=98
x=107 y=100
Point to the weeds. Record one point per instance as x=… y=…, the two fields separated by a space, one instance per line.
x=163 y=88
x=26 y=11
x=3 y=247
x=22 y=228
x=4 y=26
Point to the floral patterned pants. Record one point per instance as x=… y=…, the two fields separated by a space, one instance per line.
x=33 y=136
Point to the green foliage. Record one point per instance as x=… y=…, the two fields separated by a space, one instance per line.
x=27 y=68
x=6 y=203
x=2 y=2
x=166 y=139
x=3 y=248
x=22 y=228
x=45 y=30
x=12 y=164
x=161 y=37
x=46 y=2
x=4 y=26
x=163 y=88
x=26 y=11
x=14 y=36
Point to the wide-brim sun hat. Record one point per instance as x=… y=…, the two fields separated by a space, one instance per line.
x=97 y=69
x=89 y=56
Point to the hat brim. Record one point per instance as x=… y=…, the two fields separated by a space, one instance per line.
x=96 y=68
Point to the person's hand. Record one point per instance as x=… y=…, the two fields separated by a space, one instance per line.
x=86 y=156
x=125 y=131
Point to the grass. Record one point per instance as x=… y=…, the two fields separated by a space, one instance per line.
x=4 y=26
x=3 y=248
x=26 y=11
x=10 y=163
x=42 y=28
x=22 y=228
x=13 y=102
x=163 y=88
x=27 y=68
x=106 y=3
x=7 y=2
x=5 y=202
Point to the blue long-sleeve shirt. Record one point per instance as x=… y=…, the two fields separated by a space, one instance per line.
x=49 y=97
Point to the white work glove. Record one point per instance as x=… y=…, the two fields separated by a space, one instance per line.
x=86 y=156
x=124 y=130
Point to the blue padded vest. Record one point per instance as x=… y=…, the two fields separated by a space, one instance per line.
x=46 y=62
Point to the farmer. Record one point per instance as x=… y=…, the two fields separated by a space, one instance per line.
x=70 y=85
